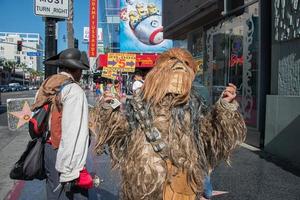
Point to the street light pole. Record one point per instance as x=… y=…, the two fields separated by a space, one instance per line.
x=70 y=29
x=50 y=44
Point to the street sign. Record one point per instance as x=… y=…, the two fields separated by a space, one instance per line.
x=52 y=8
x=34 y=53
x=125 y=62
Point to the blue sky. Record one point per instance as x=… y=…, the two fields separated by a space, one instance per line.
x=18 y=16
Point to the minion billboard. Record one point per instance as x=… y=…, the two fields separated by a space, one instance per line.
x=141 y=27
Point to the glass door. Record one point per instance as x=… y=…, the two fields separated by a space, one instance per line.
x=232 y=57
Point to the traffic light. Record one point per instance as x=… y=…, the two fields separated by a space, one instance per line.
x=19 y=45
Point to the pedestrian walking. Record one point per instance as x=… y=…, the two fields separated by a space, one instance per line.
x=98 y=89
x=67 y=146
x=138 y=82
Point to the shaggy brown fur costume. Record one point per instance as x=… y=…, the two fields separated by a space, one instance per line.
x=195 y=140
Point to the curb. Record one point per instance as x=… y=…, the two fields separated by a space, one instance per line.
x=16 y=190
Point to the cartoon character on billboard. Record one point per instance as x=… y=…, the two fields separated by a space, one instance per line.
x=145 y=22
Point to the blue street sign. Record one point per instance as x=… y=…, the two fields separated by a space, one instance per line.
x=34 y=53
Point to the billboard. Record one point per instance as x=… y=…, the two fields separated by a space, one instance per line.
x=141 y=27
x=93 y=28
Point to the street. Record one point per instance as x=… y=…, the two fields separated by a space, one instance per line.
x=252 y=175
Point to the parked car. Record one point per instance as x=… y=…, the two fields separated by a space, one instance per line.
x=15 y=87
x=4 y=88
x=25 y=87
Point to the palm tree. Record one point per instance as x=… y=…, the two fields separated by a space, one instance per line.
x=70 y=29
x=22 y=66
x=10 y=65
x=2 y=60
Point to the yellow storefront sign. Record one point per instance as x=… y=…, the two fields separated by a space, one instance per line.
x=110 y=72
x=125 y=62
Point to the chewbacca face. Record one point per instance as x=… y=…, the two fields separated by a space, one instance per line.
x=173 y=74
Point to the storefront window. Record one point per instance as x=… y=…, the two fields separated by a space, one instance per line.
x=232 y=57
x=196 y=47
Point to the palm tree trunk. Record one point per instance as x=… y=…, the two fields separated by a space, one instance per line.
x=70 y=28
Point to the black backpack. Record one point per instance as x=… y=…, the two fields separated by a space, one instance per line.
x=31 y=163
x=39 y=120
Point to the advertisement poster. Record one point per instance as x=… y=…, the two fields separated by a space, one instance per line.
x=141 y=27
x=110 y=73
x=125 y=62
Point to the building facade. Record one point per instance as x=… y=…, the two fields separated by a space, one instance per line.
x=253 y=44
x=31 y=42
x=109 y=21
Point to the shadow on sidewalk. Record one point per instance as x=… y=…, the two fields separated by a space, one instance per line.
x=283 y=164
x=101 y=194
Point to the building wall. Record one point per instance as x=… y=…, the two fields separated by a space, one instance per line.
x=109 y=22
x=9 y=51
x=278 y=70
x=282 y=127
x=283 y=105
x=189 y=15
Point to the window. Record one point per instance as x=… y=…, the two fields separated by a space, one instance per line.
x=232 y=56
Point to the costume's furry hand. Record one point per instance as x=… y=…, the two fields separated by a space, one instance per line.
x=229 y=93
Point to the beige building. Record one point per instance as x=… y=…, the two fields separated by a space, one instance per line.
x=32 y=46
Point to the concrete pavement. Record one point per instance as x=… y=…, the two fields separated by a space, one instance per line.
x=12 y=145
x=250 y=177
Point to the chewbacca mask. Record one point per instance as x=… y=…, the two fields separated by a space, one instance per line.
x=174 y=73
x=165 y=140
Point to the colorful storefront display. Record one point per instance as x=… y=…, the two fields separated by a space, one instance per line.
x=141 y=60
x=124 y=62
x=115 y=64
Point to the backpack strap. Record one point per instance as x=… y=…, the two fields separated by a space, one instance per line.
x=66 y=82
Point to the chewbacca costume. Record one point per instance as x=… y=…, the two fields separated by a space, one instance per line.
x=165 y=140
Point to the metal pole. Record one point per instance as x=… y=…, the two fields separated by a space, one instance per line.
x=225 y=11
x=70 y=28
x=50 y=44
x=23 y=76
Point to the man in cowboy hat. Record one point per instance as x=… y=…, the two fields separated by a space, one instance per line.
x=67 y=147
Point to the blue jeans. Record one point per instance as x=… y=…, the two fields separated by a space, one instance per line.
x=207 y=193
x=52 y=180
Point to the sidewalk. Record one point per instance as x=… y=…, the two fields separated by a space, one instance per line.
x=109 y=189
x=12 y=145
x=249 y=177
x=253 y=174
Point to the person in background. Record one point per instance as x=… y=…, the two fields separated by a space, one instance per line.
x=98 y=89
x=117 y=88
x=67 y=146
x=101 y=88
x=138 y=82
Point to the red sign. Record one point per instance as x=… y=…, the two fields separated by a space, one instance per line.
x=142 y=61
x=93 y=28
x=235 y=60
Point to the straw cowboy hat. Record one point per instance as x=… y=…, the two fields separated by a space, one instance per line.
x=70 y=58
